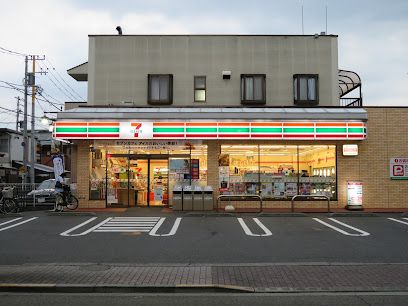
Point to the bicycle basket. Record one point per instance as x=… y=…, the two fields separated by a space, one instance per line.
x=8 y=192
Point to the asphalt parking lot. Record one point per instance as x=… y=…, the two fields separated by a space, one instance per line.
x=36 y=237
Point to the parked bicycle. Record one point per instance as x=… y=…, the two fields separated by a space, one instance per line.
x=7 y=202
x=65 y=199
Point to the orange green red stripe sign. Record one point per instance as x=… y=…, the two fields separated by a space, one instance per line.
x=285 y=130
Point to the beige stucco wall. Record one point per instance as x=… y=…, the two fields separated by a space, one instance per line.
x=387 y=138
x=118 y=66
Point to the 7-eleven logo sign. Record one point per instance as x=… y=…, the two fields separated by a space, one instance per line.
x=136 y=128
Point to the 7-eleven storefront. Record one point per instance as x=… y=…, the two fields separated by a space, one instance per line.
x=124 y=160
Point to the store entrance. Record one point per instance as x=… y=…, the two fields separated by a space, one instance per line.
x=138 y=179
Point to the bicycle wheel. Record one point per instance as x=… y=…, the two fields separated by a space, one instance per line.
x=72 y=202
x=20 y=204
x=9 y=206
x=59 y=203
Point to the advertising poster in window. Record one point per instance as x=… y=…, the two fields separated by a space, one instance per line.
x=291 y=189
x=223 y=175
x=195 y=169
x=279 y=189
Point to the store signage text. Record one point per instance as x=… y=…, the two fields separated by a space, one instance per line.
x=399 y=168
x=350 y=150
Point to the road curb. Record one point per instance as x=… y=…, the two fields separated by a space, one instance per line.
x=93 y=288
x=68 y=213
x=215 y=214
x=13 y=215
x=268 y=214
x=353 y=214
x=184 y=288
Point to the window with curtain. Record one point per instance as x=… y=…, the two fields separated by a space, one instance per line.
x=253 y=88
x=199 y=88
x=160 y=88
x=305 y=89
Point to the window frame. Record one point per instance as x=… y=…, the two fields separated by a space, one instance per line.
x=296 y=91
x=170 y=90
x=196 y=88
x=298 y=176
x=243 y=87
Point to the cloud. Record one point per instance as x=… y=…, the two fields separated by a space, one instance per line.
x=379 y=57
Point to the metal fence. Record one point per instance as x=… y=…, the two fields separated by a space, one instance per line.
x=21 y=191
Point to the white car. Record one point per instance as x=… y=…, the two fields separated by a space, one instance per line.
x=44 y=194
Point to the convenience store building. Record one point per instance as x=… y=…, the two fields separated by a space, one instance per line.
x=247 y=115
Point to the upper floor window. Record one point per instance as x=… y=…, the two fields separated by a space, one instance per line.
x=199 y=88
x=4 y=145
x=305 y=89
x=160 y=88
x=253 y=88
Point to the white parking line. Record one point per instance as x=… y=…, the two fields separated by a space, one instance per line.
x=16 y=224
x=121 y=225
x=172 y=231
x=248 y=231
x=396 y=220
x=67 y=232
x=361 y=232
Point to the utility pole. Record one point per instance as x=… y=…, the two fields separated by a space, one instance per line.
x=29 y=80
x=18 y=113
x=25 y=136
x=33 y=150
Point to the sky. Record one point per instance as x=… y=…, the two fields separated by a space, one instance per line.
x=373 y=38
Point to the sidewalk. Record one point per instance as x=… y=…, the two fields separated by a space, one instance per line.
x=318 y=277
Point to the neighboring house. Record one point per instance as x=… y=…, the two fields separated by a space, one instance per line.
x=263 y=115
x=11 y=157
x=11 y=150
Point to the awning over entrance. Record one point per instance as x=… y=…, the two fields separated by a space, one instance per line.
x=206 y=123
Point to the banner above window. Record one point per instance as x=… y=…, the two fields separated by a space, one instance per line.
x=299 y=130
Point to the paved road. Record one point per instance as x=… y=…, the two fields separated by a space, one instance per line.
x=205 y=299
x=168 y=238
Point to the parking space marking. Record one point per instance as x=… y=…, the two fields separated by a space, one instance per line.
x=361 y=232
x=124 y=225
x=396 y=220
x=173 y=230
x=259 y=223
x=67 y=232
x=15 y=224
x=128 y=224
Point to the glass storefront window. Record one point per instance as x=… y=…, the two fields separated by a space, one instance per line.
x=278 y=171
x=145 y=174
x=239 y=169
x=97 y=187
x=317 y=170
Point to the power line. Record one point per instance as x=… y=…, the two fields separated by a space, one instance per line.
x=15 y=112
x=52 y=66
x=49 y=102
x=64 y=91
x=11 y=52
x=56 y=101
x=58 y=106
